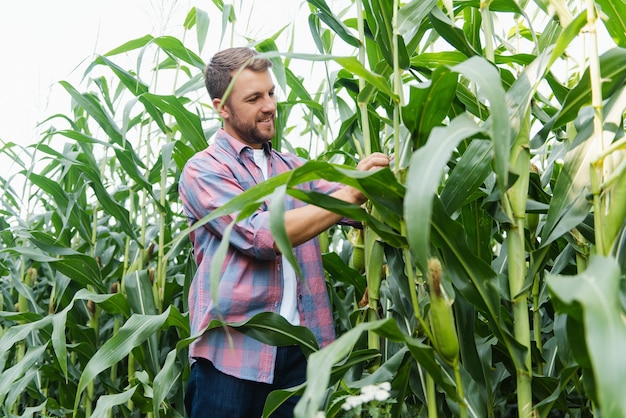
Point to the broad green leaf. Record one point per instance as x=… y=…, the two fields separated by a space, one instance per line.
x=167 y=379
x=425 y=172
x=435 y=60
x=613 y=74
x=592 y=298
x=90 y=171
x=327 y=16
x=410 y=17
x=20 y=387
x=139 y=293
x=278 y=68
x=569 y=205
x=453 y=35
x=132 y=334
x=200 y=19
x=137 y=88
x=379 y=17
x=189 y=123
x=468 y=175
x=71 y=214
x=427 y=107
x=320 y=363
x=351 y=211
x=175 y=48
x=334 y=265
x=9 y=376
x=81 y=269
x=314 y=28
x=487 y=78
x=353 y=65
x=90 y=103
x=105 y=403
x=131 y=45
x=273 y=329
x=613 y=15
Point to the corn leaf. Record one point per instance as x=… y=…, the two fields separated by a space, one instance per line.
x=425 y=172
x=592 y=298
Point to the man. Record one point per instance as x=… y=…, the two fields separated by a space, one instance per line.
x=232 y=374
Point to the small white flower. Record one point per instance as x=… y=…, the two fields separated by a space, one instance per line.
x=352 y=402
x=367 y=392
x=320 y=414
x=381 y=395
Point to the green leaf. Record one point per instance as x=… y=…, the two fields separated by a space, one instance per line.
x=105 y=403
x=82 y=269
x=379 y=17
x=131 y=45
x=167 y=378
x=175 y=48
x=189 y=123
x=427 y=107
x=320 y=363
x=455 y=36
x=613 y=74
x=353 y=65
x=9 y=376
x=487 y=78
x=410 y=17
x=91 y=105
x=569 y=205
x=340 y=271
x=592 y=298
x=613 y=15
x=326 y=15
x=468 y=175
x=132 y=334
x=139 y=292
x=273 y=329
x=423 y=177
x=137 y=88
x=278 y=68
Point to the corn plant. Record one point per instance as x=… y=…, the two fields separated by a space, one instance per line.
x=486 y=279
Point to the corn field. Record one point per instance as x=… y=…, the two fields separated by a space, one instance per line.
x=488 y=277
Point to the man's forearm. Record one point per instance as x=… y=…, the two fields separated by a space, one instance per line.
x=307 y=222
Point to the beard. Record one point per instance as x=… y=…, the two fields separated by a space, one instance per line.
x=249 y=131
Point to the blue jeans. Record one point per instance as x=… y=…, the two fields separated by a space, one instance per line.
x=211 y=393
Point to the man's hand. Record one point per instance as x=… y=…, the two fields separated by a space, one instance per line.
x=374 y=161
x=308 y=221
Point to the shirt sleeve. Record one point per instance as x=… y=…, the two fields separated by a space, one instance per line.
x=206 y=186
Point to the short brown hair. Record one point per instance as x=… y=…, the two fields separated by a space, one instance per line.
x=219 y=72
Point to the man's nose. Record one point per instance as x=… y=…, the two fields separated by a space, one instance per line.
x=269 y=104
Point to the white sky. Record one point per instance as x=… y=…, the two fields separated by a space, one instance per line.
x=43 y=42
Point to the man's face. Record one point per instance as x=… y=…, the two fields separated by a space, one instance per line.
x=249 y=113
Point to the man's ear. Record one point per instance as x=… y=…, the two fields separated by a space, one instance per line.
x=221 y=108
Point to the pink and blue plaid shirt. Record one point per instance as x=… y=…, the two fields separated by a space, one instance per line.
x=251 y=280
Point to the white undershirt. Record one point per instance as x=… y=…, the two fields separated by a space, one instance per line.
x=288 y=305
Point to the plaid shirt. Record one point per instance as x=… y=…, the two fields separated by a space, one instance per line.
x=251 y=280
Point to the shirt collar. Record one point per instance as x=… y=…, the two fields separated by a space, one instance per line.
x=238 y=146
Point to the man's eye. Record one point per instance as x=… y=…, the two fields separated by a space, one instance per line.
x=271 y=93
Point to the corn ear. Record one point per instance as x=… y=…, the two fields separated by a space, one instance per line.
x=441 y=316
x=357 y=258
x=22 y=300
x=374 y=255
